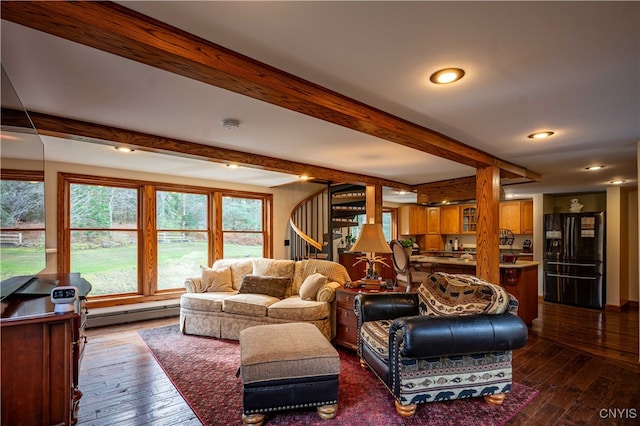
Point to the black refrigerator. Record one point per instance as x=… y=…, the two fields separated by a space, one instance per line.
x=574 y=259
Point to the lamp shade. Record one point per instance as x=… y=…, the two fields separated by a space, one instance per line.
x=371 y=239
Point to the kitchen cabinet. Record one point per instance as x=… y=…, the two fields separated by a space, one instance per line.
x=526 y=217
x=510 y=216
x=517 y=216
x=449 y=220
x=433 y=220
x=413 y=220
x=469 y=219
x=433 y=243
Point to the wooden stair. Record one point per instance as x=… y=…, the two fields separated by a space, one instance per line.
x=335 y=207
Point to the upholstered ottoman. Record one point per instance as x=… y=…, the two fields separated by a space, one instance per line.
x=287 y=366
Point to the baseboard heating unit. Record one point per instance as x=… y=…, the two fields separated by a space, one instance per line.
x=100 y=317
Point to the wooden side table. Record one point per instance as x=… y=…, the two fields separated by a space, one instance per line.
x=346 y=322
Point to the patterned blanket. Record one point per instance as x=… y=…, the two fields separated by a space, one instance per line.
x=445 y=294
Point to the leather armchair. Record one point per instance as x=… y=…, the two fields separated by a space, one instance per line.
x=425 y=358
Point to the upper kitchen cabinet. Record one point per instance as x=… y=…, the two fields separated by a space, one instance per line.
x=449 y=220
x=433 y=220
x=526 y=216
x=517 y=216
x=413 y=220
x=469 y=219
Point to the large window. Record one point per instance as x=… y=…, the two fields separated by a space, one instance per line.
x=182 y=231
x=104 y=237
x=140 y=240
x=242 y=227
x=22 y=231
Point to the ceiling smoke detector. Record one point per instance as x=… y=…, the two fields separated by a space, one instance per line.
x=231 y=124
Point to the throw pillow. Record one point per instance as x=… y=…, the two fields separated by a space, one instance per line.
x=271 y=286
x=216 y=279
x=273 y=267
x=311 y=285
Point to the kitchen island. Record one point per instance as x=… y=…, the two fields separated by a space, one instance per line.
x=519 y=278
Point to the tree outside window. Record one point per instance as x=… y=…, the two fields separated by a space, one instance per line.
x=104 y=237
x=181 y=219
x=242 y=227
x=22 y=227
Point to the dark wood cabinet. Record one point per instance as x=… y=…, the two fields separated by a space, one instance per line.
x=41 y=353
x=346 y=321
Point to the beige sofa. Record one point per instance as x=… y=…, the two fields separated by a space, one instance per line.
x=235 y=294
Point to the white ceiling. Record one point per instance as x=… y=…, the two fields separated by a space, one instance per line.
x=570 y=67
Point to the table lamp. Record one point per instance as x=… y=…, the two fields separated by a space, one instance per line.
x=371 y=241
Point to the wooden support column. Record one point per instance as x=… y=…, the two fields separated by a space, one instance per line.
x=374 y=203
x=487 y=237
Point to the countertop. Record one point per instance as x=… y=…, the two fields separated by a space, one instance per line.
x=458 y=261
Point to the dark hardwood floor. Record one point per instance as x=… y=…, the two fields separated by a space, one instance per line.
x=584 y=363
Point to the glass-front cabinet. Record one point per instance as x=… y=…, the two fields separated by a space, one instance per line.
x=469 y=219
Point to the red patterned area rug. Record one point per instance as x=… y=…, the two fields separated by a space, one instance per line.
x=204 y=372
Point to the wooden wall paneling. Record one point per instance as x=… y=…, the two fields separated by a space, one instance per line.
x=487 y=238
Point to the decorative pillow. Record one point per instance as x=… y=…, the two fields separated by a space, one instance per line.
x=273 y=267
x=216 y=279
x=445 y=294
x=311 y=285
x=271 y=286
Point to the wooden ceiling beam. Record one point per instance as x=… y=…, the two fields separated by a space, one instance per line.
x=447 y=190
x=113 y=28
x=50 y=125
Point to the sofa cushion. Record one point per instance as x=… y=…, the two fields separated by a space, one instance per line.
x=445 y=294
x=239 y=268
x=214 y=280
x=271 y=286
x=332 y=270
x=295 y=309
x=254 y=305
x=311 y=285
x=274 y=267
x=375 y=334
x=210 y=302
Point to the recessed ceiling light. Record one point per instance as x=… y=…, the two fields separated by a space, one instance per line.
x=304 y=177
x=233 y=166
x=540 y=135
x=591 y=168
x=447 y=75
x=618 y=181
x=124 y=149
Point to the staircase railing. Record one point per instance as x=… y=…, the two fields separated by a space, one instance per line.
x=310 y=222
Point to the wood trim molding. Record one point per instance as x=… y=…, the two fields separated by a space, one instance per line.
x=113 y=28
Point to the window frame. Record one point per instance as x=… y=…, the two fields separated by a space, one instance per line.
x=148 y=231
